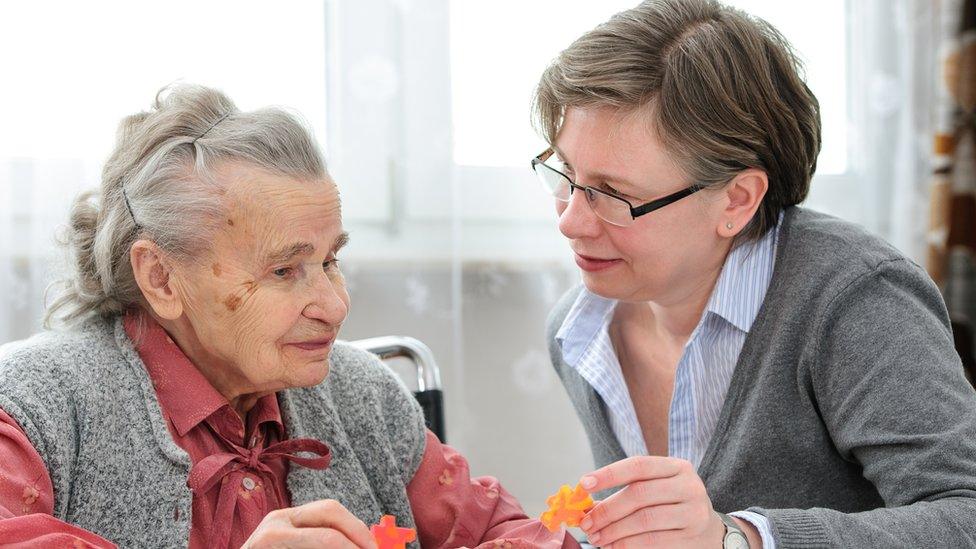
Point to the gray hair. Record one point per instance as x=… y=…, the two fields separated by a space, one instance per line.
x=159 y=184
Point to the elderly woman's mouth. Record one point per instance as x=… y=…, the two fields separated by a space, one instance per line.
x=313 y=344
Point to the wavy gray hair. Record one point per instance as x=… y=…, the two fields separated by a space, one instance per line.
x=163 y=165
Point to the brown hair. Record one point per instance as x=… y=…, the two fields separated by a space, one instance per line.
x=723 y=88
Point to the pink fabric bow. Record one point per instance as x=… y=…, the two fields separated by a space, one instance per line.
x=230 y=468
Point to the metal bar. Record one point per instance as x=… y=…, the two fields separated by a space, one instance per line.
x=428 y=374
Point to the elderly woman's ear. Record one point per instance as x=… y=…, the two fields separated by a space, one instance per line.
x=151 y=269
x=743 y=196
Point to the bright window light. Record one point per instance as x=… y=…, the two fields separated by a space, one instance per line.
x=499 y=49
x=72 y=70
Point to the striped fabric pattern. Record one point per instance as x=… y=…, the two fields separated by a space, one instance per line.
x=704 y=370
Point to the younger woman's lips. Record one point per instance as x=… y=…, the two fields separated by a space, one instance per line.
x=593 y=264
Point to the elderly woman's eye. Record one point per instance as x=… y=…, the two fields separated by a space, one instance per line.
x=282 y=272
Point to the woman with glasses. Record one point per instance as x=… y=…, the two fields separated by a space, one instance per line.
x=729 y=351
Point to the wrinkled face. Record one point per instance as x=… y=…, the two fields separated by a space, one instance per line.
x=663 y=256
x=267 y=304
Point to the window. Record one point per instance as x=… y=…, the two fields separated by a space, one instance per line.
x=490 y=121
x=449 y=116
x=422 y=105
x=110 y=57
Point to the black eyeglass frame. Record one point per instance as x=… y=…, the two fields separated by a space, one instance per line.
x=635 y=211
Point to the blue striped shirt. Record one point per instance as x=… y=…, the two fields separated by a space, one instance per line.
x=704 y=371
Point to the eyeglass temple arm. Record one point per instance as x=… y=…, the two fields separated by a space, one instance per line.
x=662 y=202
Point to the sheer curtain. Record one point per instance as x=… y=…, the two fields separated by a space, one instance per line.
x=895 y=60
x=422 y=107
x=34 y=197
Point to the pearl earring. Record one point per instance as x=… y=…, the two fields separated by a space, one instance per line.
x=729 y=225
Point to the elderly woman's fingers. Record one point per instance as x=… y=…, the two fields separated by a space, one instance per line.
x=299 y=538
x=330 y=514
x=322 y=523
x=327 y=537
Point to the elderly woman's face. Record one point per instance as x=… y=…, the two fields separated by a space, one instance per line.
x=266 y=306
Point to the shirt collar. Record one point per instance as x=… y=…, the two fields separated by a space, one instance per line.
x=185 y=396
x=586 y=319
x=737 y=297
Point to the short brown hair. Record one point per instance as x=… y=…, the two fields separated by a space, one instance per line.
x=724 y=89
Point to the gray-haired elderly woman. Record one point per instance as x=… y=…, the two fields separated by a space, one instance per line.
x=188 y=401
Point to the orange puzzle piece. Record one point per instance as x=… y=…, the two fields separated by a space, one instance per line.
x=566 y=506
x=389 y=536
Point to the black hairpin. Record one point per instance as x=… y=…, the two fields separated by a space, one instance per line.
x=129 y=207
x=212 y=126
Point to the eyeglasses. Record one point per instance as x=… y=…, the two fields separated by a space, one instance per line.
x=612 y=209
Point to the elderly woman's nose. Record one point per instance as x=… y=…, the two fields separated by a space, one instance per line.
x=329 y=301
x=576 y=218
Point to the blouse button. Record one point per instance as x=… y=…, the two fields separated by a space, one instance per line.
x=248 y=483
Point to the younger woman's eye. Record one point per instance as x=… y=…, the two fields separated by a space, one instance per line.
x=330 y=264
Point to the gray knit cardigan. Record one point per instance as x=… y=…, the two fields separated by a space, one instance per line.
x=89 y=408
x=848 y=421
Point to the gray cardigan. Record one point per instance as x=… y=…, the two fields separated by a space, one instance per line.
x=88 y=406
x=848 y=421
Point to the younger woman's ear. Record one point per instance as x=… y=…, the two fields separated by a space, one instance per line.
x=745 y=194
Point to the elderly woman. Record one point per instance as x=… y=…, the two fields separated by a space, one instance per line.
x=729 y=350
x=187 y=403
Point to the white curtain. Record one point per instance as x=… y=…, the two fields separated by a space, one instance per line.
x=35 y=195
x=897 y=70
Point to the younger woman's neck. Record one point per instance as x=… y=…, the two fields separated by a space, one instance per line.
x=674 y=317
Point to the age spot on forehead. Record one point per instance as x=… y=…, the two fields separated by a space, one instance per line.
x=230 y=222
x=216 y=269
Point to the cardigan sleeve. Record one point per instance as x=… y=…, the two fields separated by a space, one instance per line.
x=892 y=394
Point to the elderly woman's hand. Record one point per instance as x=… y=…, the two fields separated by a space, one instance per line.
x=663 y=504
x=323 y=523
